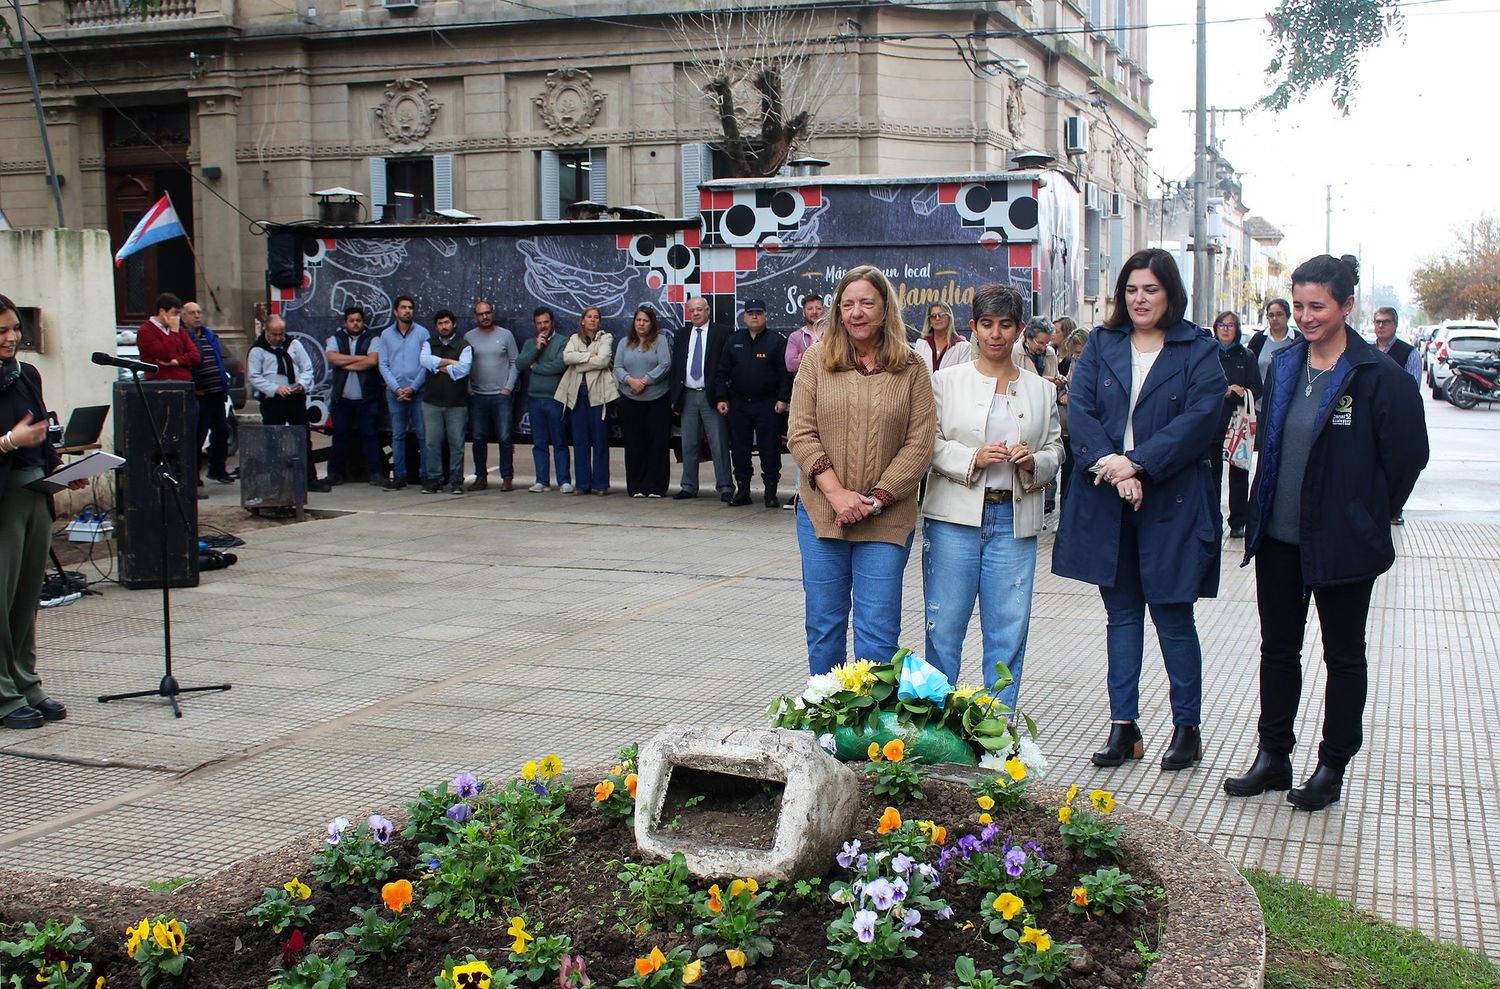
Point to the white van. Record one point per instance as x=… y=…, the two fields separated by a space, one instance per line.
x=1456 y=338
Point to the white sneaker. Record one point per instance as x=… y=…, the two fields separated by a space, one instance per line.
x=566 y=489
x=538 y=486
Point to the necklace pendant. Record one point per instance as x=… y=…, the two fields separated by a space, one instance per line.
x=1307 y=392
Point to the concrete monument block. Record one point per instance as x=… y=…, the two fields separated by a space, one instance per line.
x=818 y=806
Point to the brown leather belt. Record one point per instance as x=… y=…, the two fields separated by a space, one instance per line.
x=997 y=496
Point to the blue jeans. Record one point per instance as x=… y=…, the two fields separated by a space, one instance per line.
x=443 y=428
x=546 y=418
x=590 y=443
x=837 y=573
x=1125 y=640
x=986 y=561
x=490 y=417
x=406 y=418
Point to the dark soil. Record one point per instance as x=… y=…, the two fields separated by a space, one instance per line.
x=576 y=892
x=731 y=810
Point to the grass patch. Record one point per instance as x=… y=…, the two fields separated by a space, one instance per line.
x=1317 y=941
x=168 y=885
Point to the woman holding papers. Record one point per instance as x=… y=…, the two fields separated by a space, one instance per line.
x=25 y=529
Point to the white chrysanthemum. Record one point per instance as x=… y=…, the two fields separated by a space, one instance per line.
x=1032 y=758
x=992 y=762
x=821 y=687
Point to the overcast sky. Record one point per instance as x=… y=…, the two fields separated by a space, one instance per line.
x=1418 y=155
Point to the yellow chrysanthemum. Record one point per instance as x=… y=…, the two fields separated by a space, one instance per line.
x=1065 y=814
x=1037 y=936
x=1103 y=801
x=551 y=765
x=1072 y=794
x=529 y=771
x=1009 y=905
x=986 y=802
x=857 y=676
x=1016 y=768
x=894 y=750
x=735 y=957
x=297 y=889
x=964 y=691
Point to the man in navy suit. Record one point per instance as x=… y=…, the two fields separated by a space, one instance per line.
x=695 y=370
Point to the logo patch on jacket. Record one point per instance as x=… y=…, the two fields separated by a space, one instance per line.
x=1343 y=412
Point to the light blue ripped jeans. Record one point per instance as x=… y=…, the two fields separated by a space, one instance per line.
x=987 y=561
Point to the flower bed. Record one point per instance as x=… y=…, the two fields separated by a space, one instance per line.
x=533 y=881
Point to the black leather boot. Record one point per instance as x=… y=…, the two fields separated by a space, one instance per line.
x=1124 y=742
x=1186 y=748
x=1269 y=772
x=1325 y=786
x=771 y=500
x=741 y=496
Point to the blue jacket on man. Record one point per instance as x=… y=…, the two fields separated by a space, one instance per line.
x=1177 y=448
x=213 y=341
x=1369 y=446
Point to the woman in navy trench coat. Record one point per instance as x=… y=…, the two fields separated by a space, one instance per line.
x=1143 y=522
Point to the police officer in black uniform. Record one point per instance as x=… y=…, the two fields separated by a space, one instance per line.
x=755 y=389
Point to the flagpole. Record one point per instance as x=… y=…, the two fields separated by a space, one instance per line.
x=197 y=261
x=53 y=179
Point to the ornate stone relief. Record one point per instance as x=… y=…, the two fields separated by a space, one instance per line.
x=1015 y=108
x=1116 y=160
x=569 y=104
x=406 y=113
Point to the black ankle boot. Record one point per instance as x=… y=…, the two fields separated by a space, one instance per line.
x=1124 y=742
x=1186 y=748
x=741 y=496
x=771 y=500
x=1325 y=786
x=1269 y=772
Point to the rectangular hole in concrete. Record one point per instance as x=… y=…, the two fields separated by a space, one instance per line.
x=721 y=809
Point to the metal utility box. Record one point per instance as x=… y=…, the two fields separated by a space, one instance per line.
x=273 y=467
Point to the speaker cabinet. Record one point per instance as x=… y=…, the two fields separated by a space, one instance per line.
x=143 y=541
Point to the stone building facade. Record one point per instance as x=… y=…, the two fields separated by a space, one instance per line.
x=510 y=110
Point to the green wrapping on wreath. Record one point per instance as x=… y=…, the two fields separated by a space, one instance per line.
x=931 y=744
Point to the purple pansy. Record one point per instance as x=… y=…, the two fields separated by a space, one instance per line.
x=864 y=926
x=881 y=892
x=460 y=812
x=849 y=854
x=902 y=864
x=467 y=785
x=901 y=888
x=945 y=913
x=336 y=829
x=540 y=789
x=1015 y=860
x=381 y=828
x=911 y=920
x=929 y=873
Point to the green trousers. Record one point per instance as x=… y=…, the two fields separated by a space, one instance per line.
x=25 y=535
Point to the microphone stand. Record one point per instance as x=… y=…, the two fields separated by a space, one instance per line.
x=170 y=486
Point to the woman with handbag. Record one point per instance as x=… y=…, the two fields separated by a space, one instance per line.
x=998 y=446
x=1244 y=390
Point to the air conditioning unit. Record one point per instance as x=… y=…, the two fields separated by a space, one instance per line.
x=1076 y=135
x=1091 y=197
x=399 y=4
x=1117 y=204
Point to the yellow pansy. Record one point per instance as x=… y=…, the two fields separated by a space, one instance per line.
x=517 y=930
x=735 y=957
x=1080 y=896
x=743 y=884
x=619 y=768
x=603 y=790
x=986 y=802
x=692 y=972
x=1009 y=905
x=715 y=901
x=1065 y=814
x=873 y=752
x=1016 y=768
x=170 y=936
x=297 y=889
x=1072 y=794
x=889 y=821
x=472 y=975
x=551 y=765
x=137 y=935
x=986 y=819
x=529 y=771
x=1103 y=801
x=894 y=750
x=1037 y=936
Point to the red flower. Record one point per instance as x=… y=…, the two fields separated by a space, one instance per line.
x=292 y=949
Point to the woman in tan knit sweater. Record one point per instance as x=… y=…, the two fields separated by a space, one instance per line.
x=861 y=430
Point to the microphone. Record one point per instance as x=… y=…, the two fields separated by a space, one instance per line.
x=107 y=360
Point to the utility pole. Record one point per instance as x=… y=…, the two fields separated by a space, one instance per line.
x=1203 y=270
x=53 y=179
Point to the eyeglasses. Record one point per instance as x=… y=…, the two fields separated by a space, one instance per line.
x=1385 y=322
x=1226 y=326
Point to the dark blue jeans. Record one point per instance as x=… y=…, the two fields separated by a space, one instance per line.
x=590 y=443
x=351 y=416
x=1125 y=640
x=489 y=418
x=546 y=418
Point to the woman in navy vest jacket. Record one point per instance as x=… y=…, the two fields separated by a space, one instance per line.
x=1142 y=522
x=1344 y=441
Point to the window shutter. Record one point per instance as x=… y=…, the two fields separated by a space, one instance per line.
x=442 y=181
x=599 y=176
x=377 y=189
x=697 y=166
x=549 y=166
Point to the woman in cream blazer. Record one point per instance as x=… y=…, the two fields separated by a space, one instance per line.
x=998 y=446
x=587 y=387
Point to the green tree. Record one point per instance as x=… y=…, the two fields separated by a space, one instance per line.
x=1465 y=282
x=1321 y=41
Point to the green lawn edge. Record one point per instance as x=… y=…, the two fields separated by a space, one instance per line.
x=1318 y=941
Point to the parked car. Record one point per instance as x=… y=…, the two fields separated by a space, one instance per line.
x=1457 y=338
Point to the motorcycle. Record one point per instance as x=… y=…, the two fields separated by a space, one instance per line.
x=1475 y=380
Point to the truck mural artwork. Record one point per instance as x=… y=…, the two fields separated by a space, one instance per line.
x=936 y=237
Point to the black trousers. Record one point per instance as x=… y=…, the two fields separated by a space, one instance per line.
x=754 y=424
x=646 y=428
x=1342 y=612
x=1239 y=494
x=360 y=416
x=213 y=425
x=289 y=410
